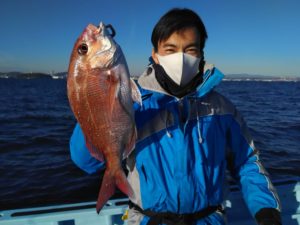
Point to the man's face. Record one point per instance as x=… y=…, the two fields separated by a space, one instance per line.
x=186 y=41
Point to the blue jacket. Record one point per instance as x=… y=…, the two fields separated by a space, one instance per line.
x=183 y=150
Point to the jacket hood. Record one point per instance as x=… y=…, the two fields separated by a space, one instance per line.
x=211 y=78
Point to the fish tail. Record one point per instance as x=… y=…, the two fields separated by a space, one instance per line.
x=108 y=188
x=122 y=184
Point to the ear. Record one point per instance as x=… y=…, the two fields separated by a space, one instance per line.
x=154 y=57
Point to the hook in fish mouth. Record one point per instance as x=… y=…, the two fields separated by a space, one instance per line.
x=112 y=30
x=109 y=28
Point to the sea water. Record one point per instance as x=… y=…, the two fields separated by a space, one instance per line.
x=36 y=123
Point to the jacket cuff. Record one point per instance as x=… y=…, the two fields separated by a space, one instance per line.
x=268 y=216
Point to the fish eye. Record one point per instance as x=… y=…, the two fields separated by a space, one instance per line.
x=82 y=49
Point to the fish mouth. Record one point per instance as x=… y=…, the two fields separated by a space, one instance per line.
x=99 y=30
x=92 y=27
x=102 y=44
x=92 y=33
x=100 y=37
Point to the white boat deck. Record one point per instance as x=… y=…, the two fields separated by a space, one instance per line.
x=111 y=214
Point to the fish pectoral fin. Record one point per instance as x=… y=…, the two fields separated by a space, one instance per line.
x=113 y=95
x=135 y=92
x=96 y=153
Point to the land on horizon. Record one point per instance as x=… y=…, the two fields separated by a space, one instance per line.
x=62 y=75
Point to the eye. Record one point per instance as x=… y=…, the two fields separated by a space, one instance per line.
x=192 y=51
x=169 y=51
x=82 y=49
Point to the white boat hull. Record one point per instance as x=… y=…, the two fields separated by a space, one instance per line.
x=111 y=214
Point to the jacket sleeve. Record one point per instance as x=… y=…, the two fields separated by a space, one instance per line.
x=245 y=165
x=81 y=155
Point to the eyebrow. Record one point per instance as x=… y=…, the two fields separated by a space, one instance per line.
x=196 y=44
x=166 y=45
x=169 y=45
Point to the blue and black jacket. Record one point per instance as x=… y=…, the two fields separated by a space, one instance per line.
x=183 y=150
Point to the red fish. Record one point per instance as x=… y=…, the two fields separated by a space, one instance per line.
x=101 y=96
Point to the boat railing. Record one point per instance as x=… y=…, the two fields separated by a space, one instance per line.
x=67 y=214
x=112 y=212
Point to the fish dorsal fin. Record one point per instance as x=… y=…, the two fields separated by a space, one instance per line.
x=135 y=92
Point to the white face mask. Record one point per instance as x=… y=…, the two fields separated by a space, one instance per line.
x=180 y=67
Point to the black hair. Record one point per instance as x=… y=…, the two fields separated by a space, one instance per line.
x=175 y=20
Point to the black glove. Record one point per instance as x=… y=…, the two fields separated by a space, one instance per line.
x=268 y=216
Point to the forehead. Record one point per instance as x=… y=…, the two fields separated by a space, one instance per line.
x=187 y=35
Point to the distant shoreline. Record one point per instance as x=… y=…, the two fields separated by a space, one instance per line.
x=260 y=78
x=228 y=77
x=20 y=75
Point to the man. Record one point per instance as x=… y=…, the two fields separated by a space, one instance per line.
x=188 y=135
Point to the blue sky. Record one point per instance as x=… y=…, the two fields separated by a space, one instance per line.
x=244 y=36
